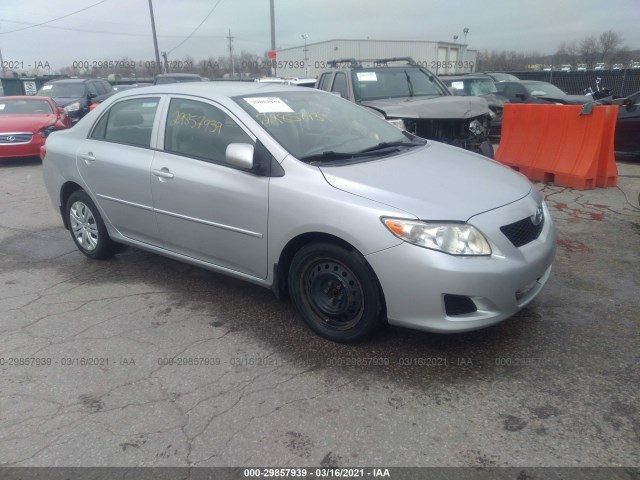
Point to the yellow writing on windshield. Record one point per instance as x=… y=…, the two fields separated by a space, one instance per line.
x=295 y=117
x=197 y=122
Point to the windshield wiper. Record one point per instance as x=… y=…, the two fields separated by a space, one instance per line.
x=385 y=145
x=410 y=84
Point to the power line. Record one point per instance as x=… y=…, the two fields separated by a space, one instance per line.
x=196 y=29
x=55 y=19
x=124 y=34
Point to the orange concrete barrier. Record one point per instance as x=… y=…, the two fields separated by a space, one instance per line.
x=555 y=144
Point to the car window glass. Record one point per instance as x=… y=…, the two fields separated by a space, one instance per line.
x=92 y=88
x=129 y=121
x=340 y=85
x=100 y=88
x=324 y=81
x=200 y=130
x=107 y=86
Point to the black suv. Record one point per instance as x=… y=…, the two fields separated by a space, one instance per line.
x=76 y=94
x=412 y=98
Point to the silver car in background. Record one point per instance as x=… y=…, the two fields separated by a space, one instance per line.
x=311 y=195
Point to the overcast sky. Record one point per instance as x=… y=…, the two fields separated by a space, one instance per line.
x=113 y=29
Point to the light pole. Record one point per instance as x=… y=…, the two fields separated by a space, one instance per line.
x=455 y=38
x=465 y=31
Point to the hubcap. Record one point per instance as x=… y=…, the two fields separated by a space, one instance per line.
x=83 y=226
x=334 y=293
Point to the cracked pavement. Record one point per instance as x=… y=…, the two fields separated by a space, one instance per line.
x=143 y=361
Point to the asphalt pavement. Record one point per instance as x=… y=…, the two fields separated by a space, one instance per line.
x=140 y=360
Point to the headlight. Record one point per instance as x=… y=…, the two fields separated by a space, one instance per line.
x=74 y=107
x=476 y=128
x=397 y=122
x=47 y=130
x=453 y=238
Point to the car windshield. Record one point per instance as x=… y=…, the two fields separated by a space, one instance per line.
x=475 y=86
x=378 y=83
x=25 y=107
x=544 y=90
x=321 y=127
x=62 y=90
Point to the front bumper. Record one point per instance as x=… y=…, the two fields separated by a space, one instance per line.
x=416 y=281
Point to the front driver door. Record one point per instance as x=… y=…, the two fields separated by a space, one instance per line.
x=205 y=208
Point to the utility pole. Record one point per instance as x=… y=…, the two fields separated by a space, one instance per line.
x=273 y=34
x=155 y=38
x=233 y=70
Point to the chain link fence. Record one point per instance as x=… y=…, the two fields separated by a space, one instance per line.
x=621 y=82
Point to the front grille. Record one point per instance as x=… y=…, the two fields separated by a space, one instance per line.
x=14 y=138
x=523 y=231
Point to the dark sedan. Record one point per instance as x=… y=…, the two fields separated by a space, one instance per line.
x=627 y=139
x=533 y=91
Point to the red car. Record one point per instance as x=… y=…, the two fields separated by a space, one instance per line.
x=25 y=123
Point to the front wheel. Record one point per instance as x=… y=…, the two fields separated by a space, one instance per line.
x=87 y=228
x=336 y=292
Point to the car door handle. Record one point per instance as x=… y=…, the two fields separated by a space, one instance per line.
x=88 y=157
x=162 y=173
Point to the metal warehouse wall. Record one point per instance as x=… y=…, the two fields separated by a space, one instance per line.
x=292 y=62
x=620 y=82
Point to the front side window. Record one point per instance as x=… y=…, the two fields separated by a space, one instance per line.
x=197 y=129
x=340 y=85
x=128 y=121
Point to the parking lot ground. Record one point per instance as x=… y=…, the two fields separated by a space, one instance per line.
x=143 y=361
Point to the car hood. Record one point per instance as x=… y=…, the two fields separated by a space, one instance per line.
x=430 y=107
x=436 y=182
x=568 y=99
x=25 y=123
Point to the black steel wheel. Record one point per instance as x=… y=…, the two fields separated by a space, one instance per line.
x=336 y=292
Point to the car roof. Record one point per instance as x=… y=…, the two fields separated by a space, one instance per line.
x=73 y=80
x=171 y=75
x=211 y=89
x=471 y=76
x=25 y=97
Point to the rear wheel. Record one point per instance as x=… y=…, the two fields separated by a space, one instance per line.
x=336 y=292
x=87 y=228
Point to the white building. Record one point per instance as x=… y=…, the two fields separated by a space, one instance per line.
x=439 y=57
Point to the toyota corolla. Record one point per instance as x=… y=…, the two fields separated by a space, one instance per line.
x=300 y=191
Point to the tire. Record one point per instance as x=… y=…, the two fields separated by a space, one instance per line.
x=87 y=228
x=336 y=292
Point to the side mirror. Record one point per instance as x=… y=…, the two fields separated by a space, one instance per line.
x=239 y=155
x=521 y=97
x=91 y=95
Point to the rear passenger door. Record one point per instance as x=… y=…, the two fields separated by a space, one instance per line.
x=206 y=208
x=115 y=162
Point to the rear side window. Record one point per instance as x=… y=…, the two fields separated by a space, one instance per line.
x=340 y=85
x=197 y=129
x=129 y=122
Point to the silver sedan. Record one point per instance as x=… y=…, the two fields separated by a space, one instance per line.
x=310 y=195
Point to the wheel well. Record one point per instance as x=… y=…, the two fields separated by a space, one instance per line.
x=65 y=192
x=281 y=269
